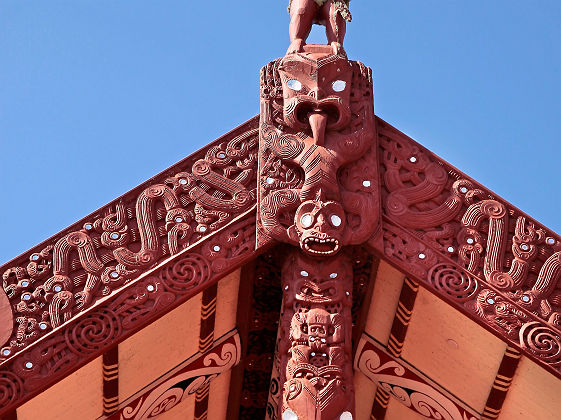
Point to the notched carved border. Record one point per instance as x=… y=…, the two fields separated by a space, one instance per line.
x=69 y=273
x=477 y=251
x=143 y=300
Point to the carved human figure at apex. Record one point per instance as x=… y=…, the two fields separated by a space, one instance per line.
x=333 y=14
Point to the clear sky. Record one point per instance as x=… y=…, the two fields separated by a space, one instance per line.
x=97 y=96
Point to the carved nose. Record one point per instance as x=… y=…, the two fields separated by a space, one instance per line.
x=318 y=123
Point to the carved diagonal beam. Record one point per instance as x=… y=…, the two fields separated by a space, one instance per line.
x=68 y=273
x=473 y=249
x=473 y=296
x=152 y=295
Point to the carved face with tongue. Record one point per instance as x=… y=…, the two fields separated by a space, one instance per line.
x=317 y=93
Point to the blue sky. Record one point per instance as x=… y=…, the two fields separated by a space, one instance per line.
x=97 y=96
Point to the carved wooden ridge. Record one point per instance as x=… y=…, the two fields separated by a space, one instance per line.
x=126 y=265
x=184 y=380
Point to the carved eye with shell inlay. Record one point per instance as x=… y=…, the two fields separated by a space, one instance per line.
x=294 y=84
x=339 y=85
x=306 y=220
x=335 y=220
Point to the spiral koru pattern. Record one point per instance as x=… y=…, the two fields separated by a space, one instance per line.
x=186 y=274
x=11 y=388
x=457 y=284
x=93 y=332
x=542 y=341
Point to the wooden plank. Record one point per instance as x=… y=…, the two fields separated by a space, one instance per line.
x=533 y=394
x=452 y=350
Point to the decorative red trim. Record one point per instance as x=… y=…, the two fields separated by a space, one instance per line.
x=128 y=310
x=402 y=316
x=398 y=332
x=110 y=380
x=380 y=404
x=502 y=383
x=409 y=386
x=206 y=339
x=473 y=296
x=454 y=237
x=191 y=376
x=11 y=416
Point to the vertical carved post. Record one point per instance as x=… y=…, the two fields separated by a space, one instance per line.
x=316 y=361
x=319 y=192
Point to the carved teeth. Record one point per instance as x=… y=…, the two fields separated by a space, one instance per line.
x=307 y=242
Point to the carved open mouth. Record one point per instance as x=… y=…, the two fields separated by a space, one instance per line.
x=321 y=246
x=331 y=111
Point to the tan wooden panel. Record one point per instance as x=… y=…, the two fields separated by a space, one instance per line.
x=534 y=394
x=218 y=397
x=384 y=302
x=159 y=347
x=183 y=411
x=78 y=396
x=365 y=391
x=452 y=350
x=399 y=411
x=227 y=304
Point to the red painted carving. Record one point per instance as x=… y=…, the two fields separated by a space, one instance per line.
x=407 y=385
x=316 y=366
x=172 y=388
x=7 y=318
x=118 y=243
x=334 y=14
x=88 y=334
x=318 y=190
x=472 y=248
x=318 y=180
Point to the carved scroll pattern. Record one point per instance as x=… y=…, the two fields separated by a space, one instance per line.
x=485 y=235
x=85 y=336
x=116 y=244
x=473 y=247
x=409 y=387
x=166 y=393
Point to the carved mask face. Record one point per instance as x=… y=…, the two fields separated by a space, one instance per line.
x=318 y=227
x=316 y=93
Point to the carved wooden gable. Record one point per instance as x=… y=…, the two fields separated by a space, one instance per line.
x=365 y=234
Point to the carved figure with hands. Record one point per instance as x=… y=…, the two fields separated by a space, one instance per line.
x=334 y=14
